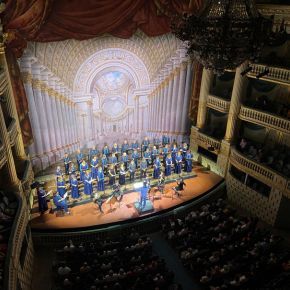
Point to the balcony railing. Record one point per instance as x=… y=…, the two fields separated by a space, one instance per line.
x=3 y=82
x=12 y=131
x=276 y=74
x=264 y=119
x=2 y=155
x=206 y=141
x=263 y=173
x=218 y=104
x=27 y=176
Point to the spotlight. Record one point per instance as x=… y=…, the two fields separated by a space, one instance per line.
x=248 y=69
x=264 y=73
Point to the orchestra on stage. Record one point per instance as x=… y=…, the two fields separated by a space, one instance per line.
x=120 y=164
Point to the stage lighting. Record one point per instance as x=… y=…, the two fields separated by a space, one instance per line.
x=263 y=73
x=248 y=69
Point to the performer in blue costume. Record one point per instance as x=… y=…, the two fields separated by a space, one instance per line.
x=114 y=161
x=174 y=151
x=122 y=174
x=157 y=165
x=143 y=195
x=135 y=157
x=145 y=144
x=74 y=187
x=94 y=167
x=188 y=161
x=147 y=156
x=143 y=168
x=125 y=159
x=72 y=169
x=42 y=202
x=88 y=183
x=116 y=150
x=125 y=147
x=80 y=158
x=93 y=152
x=106 y=150
x=61 y=188
x=135 y=145
x=178 y=163
x=165 y=152
x=184 y=150
x=168 y=165
x=132 y=169
x=60 y=202
x=101 y=179
x=83 y=168
x=67 y=162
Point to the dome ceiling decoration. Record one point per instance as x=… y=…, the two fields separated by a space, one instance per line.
x=113 y=106
x=112 y=81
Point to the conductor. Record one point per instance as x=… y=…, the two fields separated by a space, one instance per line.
x=180 y=185
x=143 y=195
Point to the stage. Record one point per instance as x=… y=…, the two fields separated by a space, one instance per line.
x=87 y=214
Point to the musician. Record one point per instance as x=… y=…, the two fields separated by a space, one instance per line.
x=41 y=197
x=174 y=151
x=154 y=154
x=106 y=150
x=60 y=202
x=135 y=157
x=114 y=161
x=93 y=152
x=122 y=174
x=165 y=140
x=60 y=184
x=101 y=179
x=94 y=167
x=132 y=169
x=157 y=142
x=188 y=161
x=83 y=168
x=80 y=158
x=58 y=171
x=112 y=175
x=168 y=165
x=143 y=195
x=104 y=162
x=157 y=166
x=147 y=156
x=180 y=185
x=74 y=187
x=116 y=150
x=184 y=150
x=125 y=147
x=143 y=168
x=125 y=159
x=145 y=144
x=161 y=182
x=88 y=183
x=165 y=152
x=135 y=145
x=178 y=163
x=66 y=161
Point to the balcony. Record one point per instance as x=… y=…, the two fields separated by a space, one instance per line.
x=2 y=156
x=12 y=131
x=206 y=141
x=264 y=119
x=276 y=74
x=262 y=173
x=3 y=81
x=218 y=104
x=27 y=177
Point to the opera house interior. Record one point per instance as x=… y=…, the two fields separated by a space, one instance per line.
x=144 y=144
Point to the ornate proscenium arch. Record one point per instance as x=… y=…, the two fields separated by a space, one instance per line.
x=110 y=58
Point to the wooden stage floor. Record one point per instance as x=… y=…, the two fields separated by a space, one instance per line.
x=88 y=214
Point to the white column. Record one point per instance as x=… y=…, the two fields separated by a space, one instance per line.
x=187 y=95
x=168 y=104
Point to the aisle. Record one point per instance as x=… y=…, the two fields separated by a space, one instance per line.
x=164 y=250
